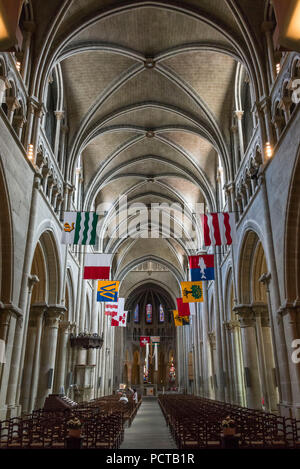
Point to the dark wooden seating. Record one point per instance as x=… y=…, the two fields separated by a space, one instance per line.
x=197 y=423
x=102 y=425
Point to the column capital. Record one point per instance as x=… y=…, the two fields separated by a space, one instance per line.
x=32 y=280
x=37 y=180
x=38 y=308
x=212 y=339
x=239 y=114
x=9 y=309
x=290 y=309
x=64 y=326
x=59 y=115
x=5 y=81
x=54 y=315
x=36 y=314
x=261 y=310
x=12 y=103
x=231 y=325
x=246 y=315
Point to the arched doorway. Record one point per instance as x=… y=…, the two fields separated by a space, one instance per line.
x=43 y=324
x=256 y=326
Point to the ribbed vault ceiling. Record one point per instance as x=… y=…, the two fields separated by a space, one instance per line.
x=112 y=101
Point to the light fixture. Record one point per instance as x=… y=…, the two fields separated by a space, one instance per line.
x=278 y=68
x=268 y=150
x=18 y=66
x=30 y=151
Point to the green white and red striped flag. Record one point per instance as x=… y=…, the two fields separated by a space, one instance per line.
x=79 y=228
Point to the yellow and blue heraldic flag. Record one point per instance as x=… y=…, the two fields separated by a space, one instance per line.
x=108 y=291
x=79 y=228
x=192 y=292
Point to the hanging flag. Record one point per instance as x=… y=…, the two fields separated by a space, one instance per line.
x=155 y=340
x=144 y=340
x=180 y=320
x=185 y=309
x=107 y=291
x=111 y=309
x=120 y=319
x=97 y=266
x=182 y=308
x=218 y=229
x=79 y=228
x=202 y=267
x=192 y=292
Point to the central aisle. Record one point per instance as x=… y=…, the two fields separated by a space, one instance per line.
x=149 y=429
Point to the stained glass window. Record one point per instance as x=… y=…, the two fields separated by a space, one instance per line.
x=136 y=314
x=149 y=314
x=161 y=314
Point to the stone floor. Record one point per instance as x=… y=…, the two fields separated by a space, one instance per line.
x=149 y=429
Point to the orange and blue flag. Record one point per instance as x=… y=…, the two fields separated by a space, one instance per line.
x=202 y=267
x=108 y=291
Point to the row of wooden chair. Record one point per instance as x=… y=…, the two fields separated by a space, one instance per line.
x=102 y=426
x=197 y=423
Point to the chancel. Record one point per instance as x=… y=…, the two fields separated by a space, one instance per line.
x=149 y=225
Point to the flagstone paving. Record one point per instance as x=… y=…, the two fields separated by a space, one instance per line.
x=149 y=429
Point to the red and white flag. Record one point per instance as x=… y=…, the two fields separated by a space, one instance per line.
x=112 y=309
x=144 y=340
x=120 y=319
x=218 y=229
x=185 y=309
x=97 y=266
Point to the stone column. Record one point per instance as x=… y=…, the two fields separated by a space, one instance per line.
x=266 y=112
x=12 y=105
x=213 y=361
x=260 y=311
x=206 y=346
x=63 y=338
x=62 y=159
x=289 y=313
x=31 y=362
x=236 y=162
x=270 y=363
x=239 y=116
x=9 y=319
x=220 y=350
x=237 y=357
x=250 y=356
x=267 y=28
x=4 y=85
x=59 y=117
x=28 y=30
x=48 y=352
x=50 y=187
x=280 y=347
x=231 y=368
x=38 y=114
x=19 y=122
x=18 y=354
